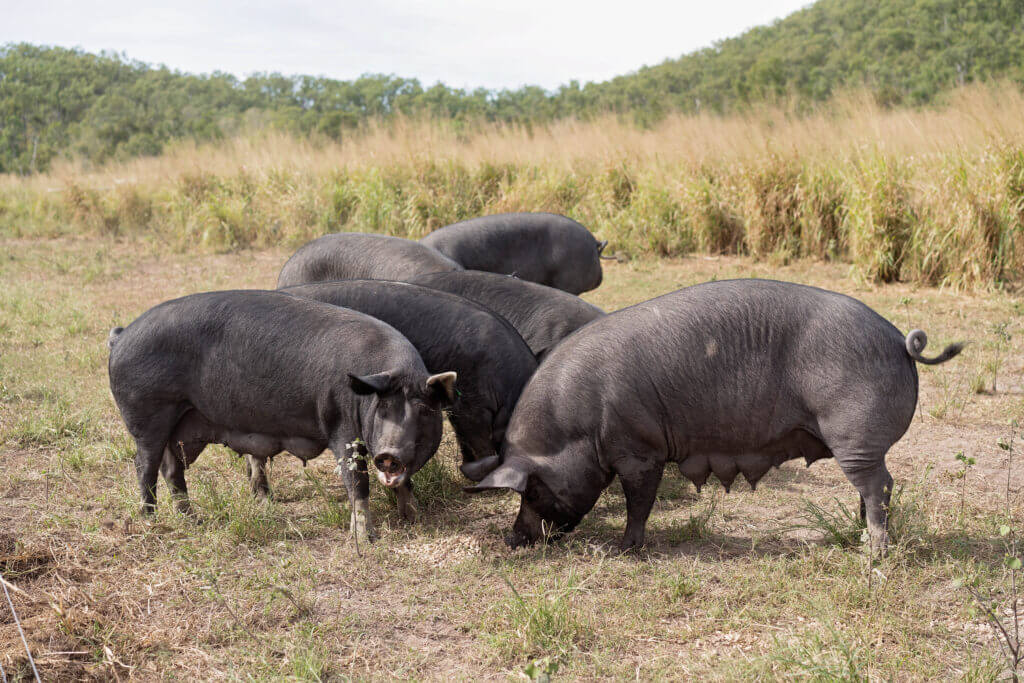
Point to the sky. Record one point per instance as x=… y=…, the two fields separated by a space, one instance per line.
x=462 y=43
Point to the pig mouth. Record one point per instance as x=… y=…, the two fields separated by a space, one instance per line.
x=391 y=472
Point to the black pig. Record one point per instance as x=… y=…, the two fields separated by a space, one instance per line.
x=265 y=372
x=542 y=315
x=541 y=247
x=492 y=361
x=728 y=378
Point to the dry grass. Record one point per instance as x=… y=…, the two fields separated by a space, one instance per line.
x=744 y=585
x=931 y=196
x=851 y=125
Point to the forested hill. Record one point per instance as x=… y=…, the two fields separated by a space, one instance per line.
x=55 y=101
x=905 y=51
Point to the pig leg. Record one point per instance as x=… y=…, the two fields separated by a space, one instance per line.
x=148 y=458
x=257 y=470
x=473 y=434
x=406 y=501
x=151 y=432
x=640 y=479
x=357 y=485
x=874 y=483
x=172 y=467
x=465 y=449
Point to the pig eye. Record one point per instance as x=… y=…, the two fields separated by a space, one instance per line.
x=391 y=406
x=420 y=404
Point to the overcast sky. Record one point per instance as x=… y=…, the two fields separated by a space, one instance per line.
x=463 y=43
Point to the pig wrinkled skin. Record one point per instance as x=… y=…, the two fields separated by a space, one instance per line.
x=355 y=255
x=264 y=372
x=725 y=378
x=540 y=247
x=451 y=333
x=542 y=315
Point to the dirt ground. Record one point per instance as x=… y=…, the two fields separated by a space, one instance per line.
x=768 y=585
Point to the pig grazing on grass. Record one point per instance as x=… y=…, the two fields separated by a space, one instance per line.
x=265 y=372
x=355 y=255
x=542 y=315
x=723 y=378
x=451 y=333
x=541 y=247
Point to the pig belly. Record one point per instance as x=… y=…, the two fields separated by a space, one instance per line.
x=194 y=432
x=752 y=464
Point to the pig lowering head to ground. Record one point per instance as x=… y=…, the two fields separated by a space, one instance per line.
x=492 y=361
x=355 y=255
x=265 y=372
x=542 y=315
x=541 y=247
x=722 y=378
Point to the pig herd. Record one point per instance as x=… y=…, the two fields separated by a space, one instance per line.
x=368 y=340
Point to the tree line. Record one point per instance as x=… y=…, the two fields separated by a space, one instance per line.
x=66 y=102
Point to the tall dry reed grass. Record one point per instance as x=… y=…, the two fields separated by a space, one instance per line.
x=934 y=196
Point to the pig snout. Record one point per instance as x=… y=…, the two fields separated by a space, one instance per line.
x=390 y=470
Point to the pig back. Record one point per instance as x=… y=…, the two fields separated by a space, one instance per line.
x=348 y=255
x=547 y=248
x=254 y=358
x=730 y=365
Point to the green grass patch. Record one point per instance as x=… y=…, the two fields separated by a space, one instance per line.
x=839 y=525
x=544 y=623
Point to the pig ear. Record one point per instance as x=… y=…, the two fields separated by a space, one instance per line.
x=601 y=245
x=442 y=385
x=506 y=476
x=478 y=469
x=370 y=384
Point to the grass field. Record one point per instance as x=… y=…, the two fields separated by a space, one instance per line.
x=748 y=584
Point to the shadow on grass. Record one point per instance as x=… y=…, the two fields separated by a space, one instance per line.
x=696 y=535
x=683 y=524
x=929 y=549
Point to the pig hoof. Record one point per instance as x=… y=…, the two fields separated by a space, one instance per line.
x=366 y=535
x=875 y=543
x=406 y=506
x=362 y=523
x=630 y=543
x=408 y=514
x=184 y=507
x=147 y=509
x=877 y=547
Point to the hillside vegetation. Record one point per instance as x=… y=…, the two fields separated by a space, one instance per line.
x=56 y=102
